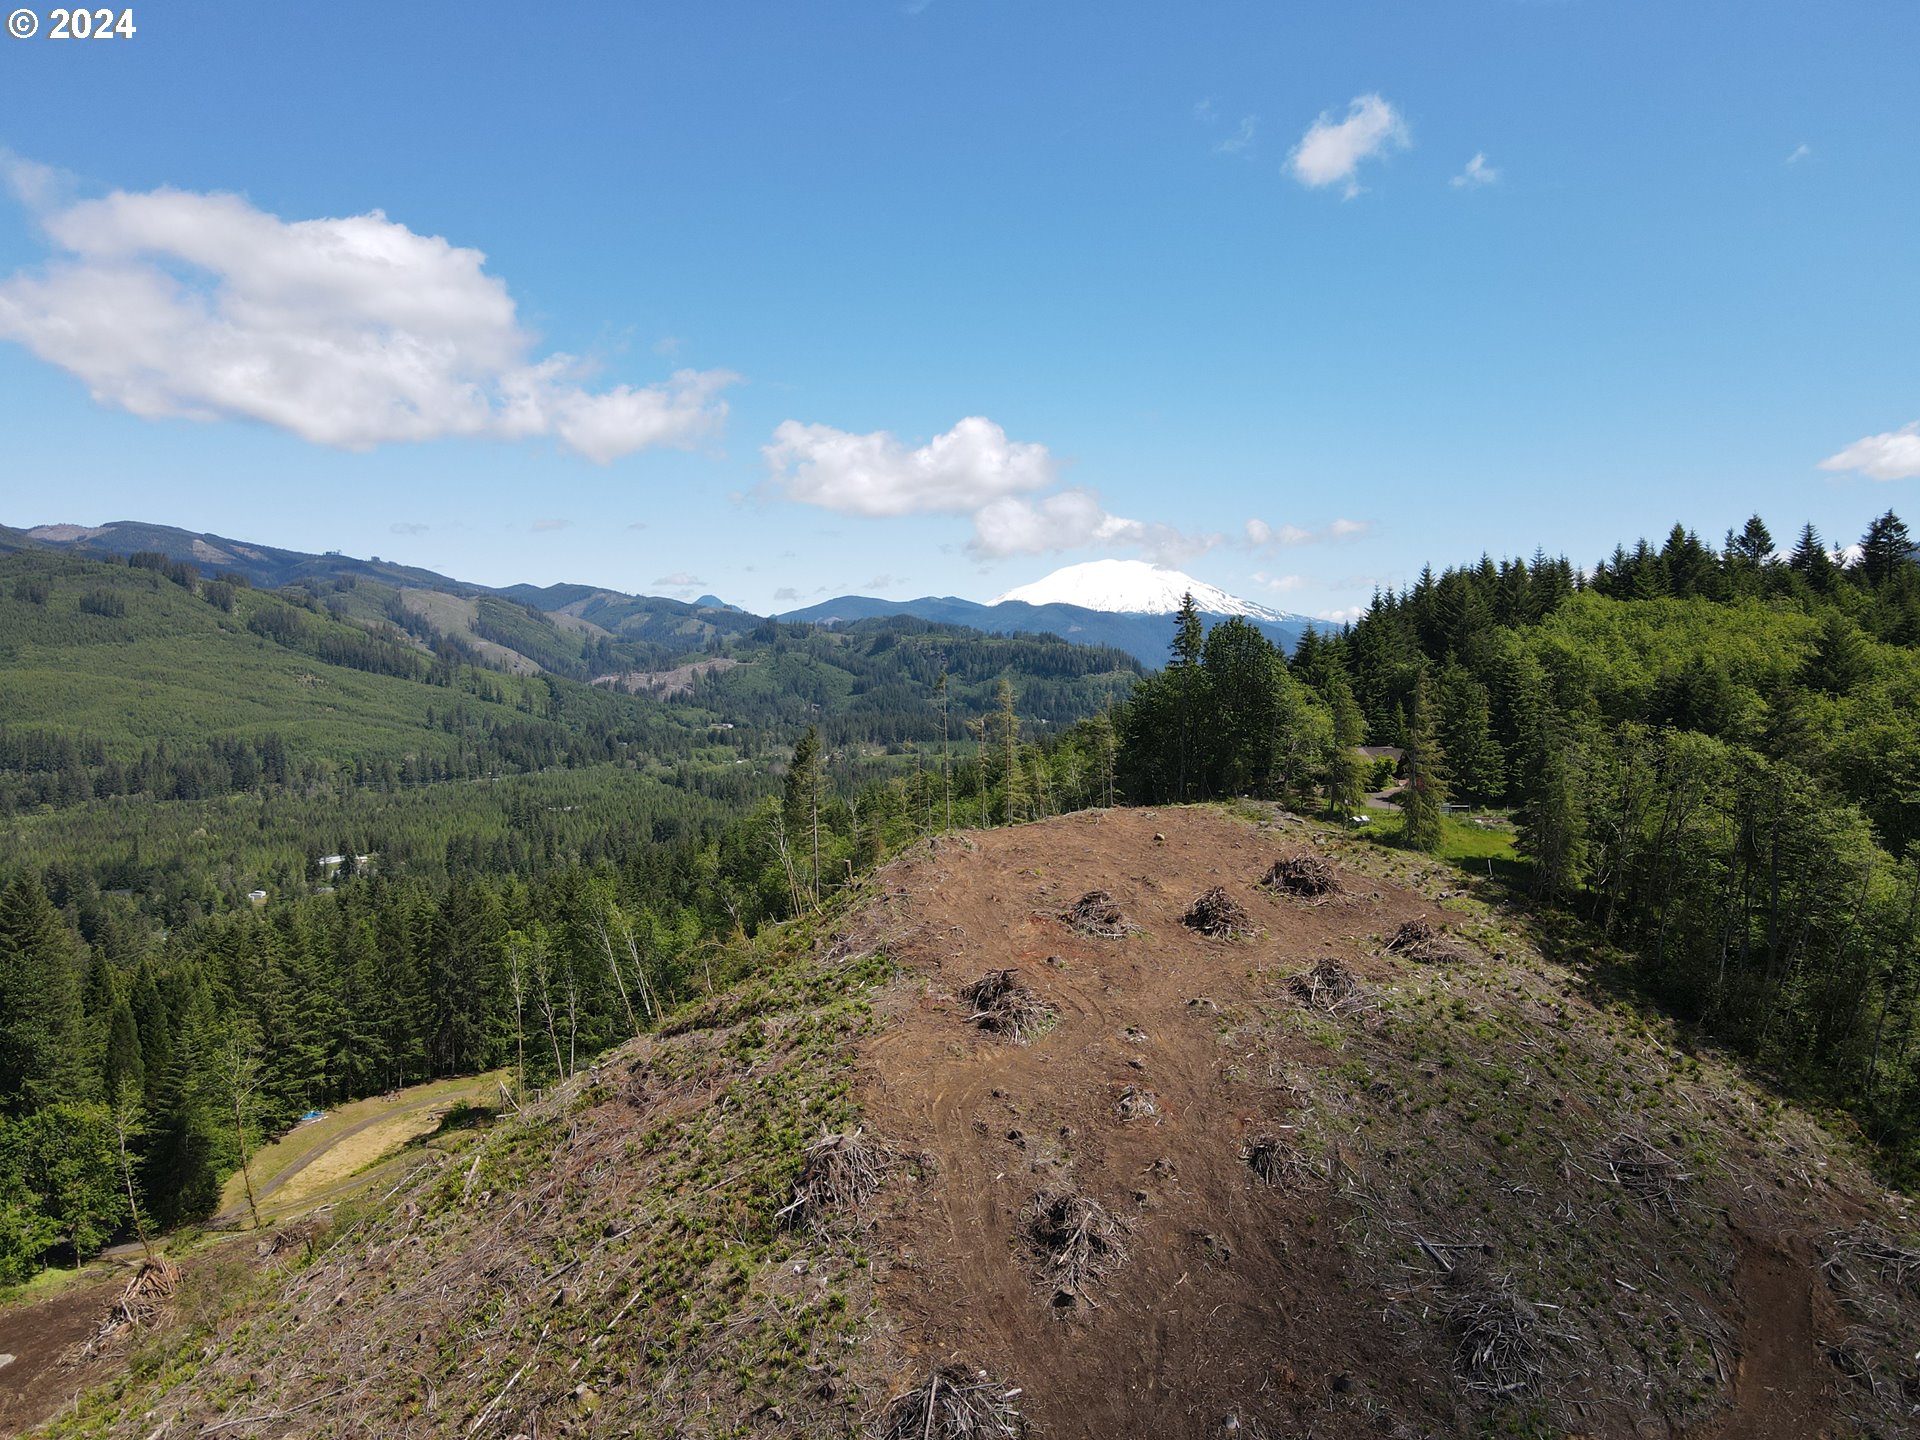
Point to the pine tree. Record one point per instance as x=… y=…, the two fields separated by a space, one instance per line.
x=1475 y=765
x=42 y=1037
x=800 y=803
x=1885 y=550
x=1345 y=765
x=1811 y=560
x=1426 y=790
x=1006 y=740
x=1189 y=636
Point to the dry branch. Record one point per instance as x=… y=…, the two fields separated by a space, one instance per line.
x=1275 y=1162
x=1311 y=877
x=1096 y=913
x=1136 y=1103
x=953 y=1403
x=1643 y=1170
x=1423 y=941
x=1329 y=986
x=1868 y=1248
x=142 y=1303
x=840 y=1172
x=1074 y=1240
x=1498 y=1348
x=1004 y=1006
x=1218 y=915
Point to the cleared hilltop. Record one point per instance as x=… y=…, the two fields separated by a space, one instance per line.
x=1383 y=1160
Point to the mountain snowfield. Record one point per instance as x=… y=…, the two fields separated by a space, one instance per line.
x=1133 y=587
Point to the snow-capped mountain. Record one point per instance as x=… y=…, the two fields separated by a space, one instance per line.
x=1124 y=603
x=1132 y=587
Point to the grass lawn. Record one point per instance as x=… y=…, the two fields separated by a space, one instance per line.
x=317 y=1157
x=1483 y=850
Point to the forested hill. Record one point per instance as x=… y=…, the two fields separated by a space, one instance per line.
x=1711 y=754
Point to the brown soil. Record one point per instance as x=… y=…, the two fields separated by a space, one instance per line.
x=1243 y=1307
x=1234 y=1301
x=1781 y=1388
x=36 y=1384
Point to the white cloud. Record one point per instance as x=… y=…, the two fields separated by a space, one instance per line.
x=1343 y=617
x=1241 y=141
x=1477 y=173
x=1280 y=584
x=680 y=580
x=970 y=466
x=1204 y=111
x=1797 y=154
x=1073 y=520
x=1894 y=455
x=1261 y=535
x=350 y=332
x=786 y=592
x=540 y=526
x=407 y=527
x=1331 y=150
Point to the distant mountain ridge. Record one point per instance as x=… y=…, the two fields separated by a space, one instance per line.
x=1120 y=603
x=1142 y=634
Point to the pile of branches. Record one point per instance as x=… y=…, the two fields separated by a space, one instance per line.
x=1423 y=941
x=1002 y=1005
x=1074 y=1240
x=1309 y=876
x=1329 y=986
x=1857 y=1258
x=1498 y=1347
x=141 y=1304
x=1274 y=1162
x=840 y=1171
x=1136 y=1103
x=1218 y=916
x=953 y=1403
x=1643 y=1170
x=1096 y=913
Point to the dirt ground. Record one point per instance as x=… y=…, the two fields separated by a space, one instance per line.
x=1237 y=1308
x=35 y=1384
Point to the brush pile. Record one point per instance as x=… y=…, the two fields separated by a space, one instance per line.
x=1005 y=1007
x=840 y=1172
x=1644 y=1171
x=1853 y=1257
x=1136 y=1103
x=1097 y=914
x=1329 y=986
x=953 y=1403
x=1425 y=942
x=1218 y=916
x=141 y=1304
x=1074 y=1241
x=1274 y=1162
x=1498 y=1349
x=1309 y=876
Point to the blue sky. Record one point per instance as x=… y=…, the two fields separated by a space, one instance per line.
x=959 y=292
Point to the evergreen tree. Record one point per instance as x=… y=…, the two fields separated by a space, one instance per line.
x=42 y=1055
x=1886 y=550
x=1475 y=765
x=1345 y=765
x=1005 y=731
x=800 y=804
x=1811 y=560
x=1425 y=795
x=1184 y=675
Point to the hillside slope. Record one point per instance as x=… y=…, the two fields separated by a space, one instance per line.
x=1301 y=1181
